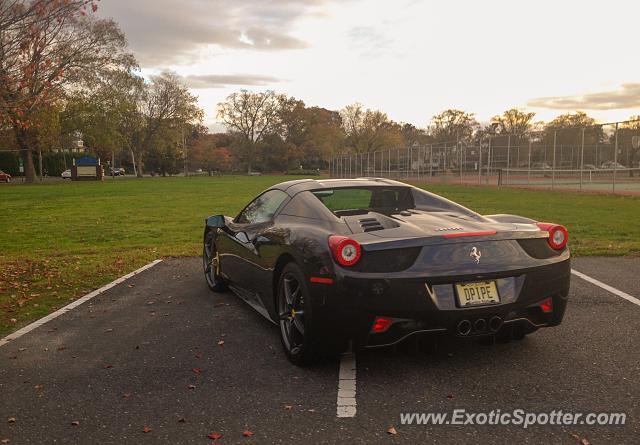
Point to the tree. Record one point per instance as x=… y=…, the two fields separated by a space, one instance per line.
x=413 y=135
x=309 y=135
x=46 y=45
x=212 y=152
x=569 y=120
x=369 y=130
x=251 y=116
x=168 y=105
x=627 y=134
x=513 y=121
x=324 y=136
x=453 y=125
x=566 y=131
x=106 y=115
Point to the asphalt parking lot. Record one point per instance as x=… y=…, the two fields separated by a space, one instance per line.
x=161 y=353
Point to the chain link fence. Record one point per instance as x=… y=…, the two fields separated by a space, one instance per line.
x=603 y=158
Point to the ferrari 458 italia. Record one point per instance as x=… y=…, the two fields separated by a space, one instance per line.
x=375 y=261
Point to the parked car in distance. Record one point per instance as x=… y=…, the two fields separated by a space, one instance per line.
x=5 y=177
x=541 y=166
x=66 y=174
x=117 y=172
x=610 y=165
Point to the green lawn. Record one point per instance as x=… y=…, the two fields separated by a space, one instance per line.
x=59 y=241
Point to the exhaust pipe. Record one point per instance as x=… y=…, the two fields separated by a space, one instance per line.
x=464 y=327
x=480 y=325
x=495 y=323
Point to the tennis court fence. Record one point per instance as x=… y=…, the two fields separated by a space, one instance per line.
x=599 y=158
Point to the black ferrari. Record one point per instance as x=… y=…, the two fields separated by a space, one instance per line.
x=375 y=261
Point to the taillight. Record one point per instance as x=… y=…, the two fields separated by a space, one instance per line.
x=558 y=235
x=547 y=305
x=345 y=250
x=381 y=324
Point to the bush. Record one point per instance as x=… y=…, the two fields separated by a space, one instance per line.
x=9 y=163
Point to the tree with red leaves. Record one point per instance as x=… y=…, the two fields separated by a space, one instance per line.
x=45 y=47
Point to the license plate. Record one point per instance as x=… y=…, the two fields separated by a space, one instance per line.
x=475 y=294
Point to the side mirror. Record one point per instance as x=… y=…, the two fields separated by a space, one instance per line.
x=215 y=222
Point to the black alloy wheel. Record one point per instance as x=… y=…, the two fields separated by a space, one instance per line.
x=211 y=264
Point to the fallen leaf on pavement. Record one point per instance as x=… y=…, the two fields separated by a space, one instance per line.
x=107 y=366
x=198 y=355
x=288 y=407
x=581 y=440
x=247 y=433
x=11 y=420
x=215 y=435
x=197 y=371
x=38 y=386
x=221 y=343
x=192 y=387
x=147 y=429
x=392 y=430
x=5 y=441
x=75 y=423
x=126 y=395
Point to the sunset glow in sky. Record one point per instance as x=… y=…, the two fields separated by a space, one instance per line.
x=409 y=58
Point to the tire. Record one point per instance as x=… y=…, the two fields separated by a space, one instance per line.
x=211 y=265
x=296 y=318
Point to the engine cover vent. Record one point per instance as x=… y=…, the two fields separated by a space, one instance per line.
x=370 y=224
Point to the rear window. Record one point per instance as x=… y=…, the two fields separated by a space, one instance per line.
x=382 y=199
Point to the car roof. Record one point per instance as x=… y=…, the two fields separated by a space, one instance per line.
x=302 y=185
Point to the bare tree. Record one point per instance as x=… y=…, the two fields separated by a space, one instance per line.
x=251 y=116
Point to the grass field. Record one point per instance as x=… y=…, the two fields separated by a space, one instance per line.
x=59 y=241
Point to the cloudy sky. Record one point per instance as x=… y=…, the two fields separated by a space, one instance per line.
x=409 y=58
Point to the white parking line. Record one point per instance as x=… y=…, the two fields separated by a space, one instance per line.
x=606 y=287
x=76 y=303
x=346 y=403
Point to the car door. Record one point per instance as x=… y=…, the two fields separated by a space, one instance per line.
x=242 y=262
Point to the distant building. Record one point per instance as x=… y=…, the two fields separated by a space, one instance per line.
x=72 y=144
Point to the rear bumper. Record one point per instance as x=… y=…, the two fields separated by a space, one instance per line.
x=423 y=304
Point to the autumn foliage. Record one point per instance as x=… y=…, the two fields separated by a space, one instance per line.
x=46 y=45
